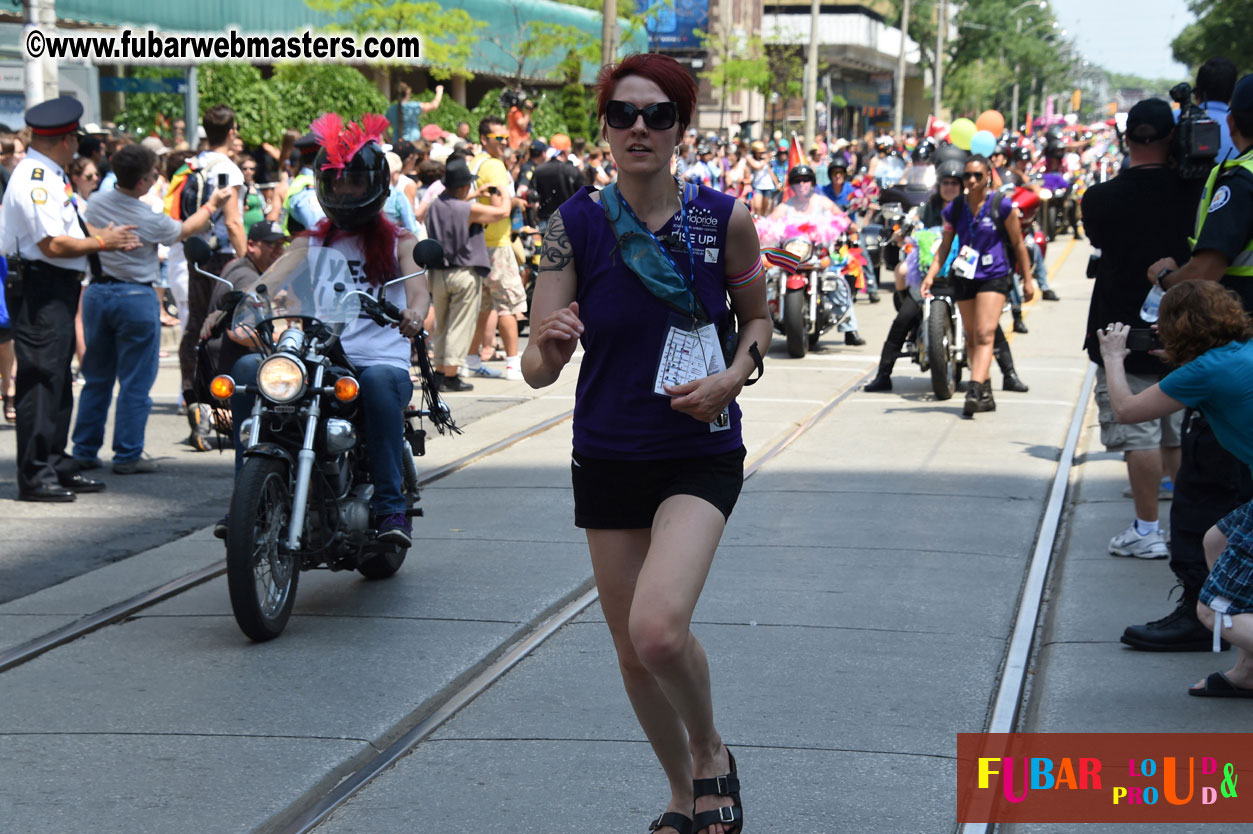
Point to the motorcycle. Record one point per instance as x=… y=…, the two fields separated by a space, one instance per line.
x=302 y=497
x=1055 y=195
x=938 y=342
x=808 y=282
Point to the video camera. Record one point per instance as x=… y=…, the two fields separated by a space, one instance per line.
x=511 y=98
x=1197 y=136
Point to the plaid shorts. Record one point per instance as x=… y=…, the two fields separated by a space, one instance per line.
x=1232 y=576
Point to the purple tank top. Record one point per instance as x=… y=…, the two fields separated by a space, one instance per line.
x=980 y=233
x=616 y=413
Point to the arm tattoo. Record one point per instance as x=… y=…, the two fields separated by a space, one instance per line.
x=556 y=253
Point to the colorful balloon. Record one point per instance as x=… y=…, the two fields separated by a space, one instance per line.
x=961 y=132
x=983 y=143
x=991 y=121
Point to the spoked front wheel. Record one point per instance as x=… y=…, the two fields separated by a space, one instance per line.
x=261 y=572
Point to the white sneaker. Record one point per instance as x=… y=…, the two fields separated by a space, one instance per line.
x=1131 y=543
x=513 y=373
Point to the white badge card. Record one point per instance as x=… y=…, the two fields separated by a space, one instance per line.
x=688 y=355
x=966 y=263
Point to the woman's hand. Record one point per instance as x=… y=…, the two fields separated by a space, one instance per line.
x=410 y=323
x=705 y=398
x=1113 y=341
x=1028 y=287
x=926 y=284
x=557 y=336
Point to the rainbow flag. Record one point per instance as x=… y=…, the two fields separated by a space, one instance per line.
x=781 y=258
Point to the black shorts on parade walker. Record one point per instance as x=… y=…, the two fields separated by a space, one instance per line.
x=625 y=494
x=964 y=289
x=1232 y=576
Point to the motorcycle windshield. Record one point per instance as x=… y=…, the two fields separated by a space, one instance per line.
x=890 y=170
x=314 y=282
x=920 y=178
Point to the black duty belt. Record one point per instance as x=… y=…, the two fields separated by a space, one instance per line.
x=43 y=269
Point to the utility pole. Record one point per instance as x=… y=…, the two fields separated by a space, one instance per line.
x=811 y=73
x=609 y=32
x=898 y=118
x=937 y=89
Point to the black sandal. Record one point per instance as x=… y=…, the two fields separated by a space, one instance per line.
x=731 y=816
x=672 y=819
x=10 y=409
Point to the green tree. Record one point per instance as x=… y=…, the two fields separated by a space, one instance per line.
x=309 y=90
x=538 y=40
x=448 y=35
x=1221 y=30
x=259 y=108
x=147 y=113
x=739 y=62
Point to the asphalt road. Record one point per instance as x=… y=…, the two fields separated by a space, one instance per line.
x=44 y=544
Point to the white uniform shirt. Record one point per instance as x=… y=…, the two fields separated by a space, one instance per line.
x=366 y=343
x=38 y=204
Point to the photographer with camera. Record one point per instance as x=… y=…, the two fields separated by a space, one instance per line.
x=1136 y=218
x=1214 y=82
x=1211 y=481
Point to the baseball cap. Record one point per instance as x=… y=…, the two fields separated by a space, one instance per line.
x=155 y=145
x=560 y=141
x=1149 y=121
x=538 y=148
x=393 y=161
x=1242 y=95
x=433 y=133
x=266 y=231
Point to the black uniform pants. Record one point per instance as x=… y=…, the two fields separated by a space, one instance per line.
x=1211 y=483
x=199 y=291
x=42 y=304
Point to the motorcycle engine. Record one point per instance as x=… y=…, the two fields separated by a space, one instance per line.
x=356 y=513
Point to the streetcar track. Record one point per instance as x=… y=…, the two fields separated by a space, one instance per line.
x=41 y=644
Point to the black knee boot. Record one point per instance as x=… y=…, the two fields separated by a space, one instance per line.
x=1005 y=360
x=1019 y=325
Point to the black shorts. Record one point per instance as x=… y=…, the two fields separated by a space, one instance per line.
x=625 y=494
x=964 y=289
x=6 y=334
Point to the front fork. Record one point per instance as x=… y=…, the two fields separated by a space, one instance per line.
x=304 y=465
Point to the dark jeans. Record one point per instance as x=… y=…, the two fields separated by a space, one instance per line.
x=199 y=290
x=385 y=391
x=42 y=307
x=1211 y=483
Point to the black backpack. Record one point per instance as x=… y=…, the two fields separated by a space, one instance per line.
x=195 y=192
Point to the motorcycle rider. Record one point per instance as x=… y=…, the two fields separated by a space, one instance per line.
x=353 y=181
x=807 y=202
x=839 y=190
x=908 y=310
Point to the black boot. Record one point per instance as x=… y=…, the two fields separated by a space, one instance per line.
x=1019 y=325
x=1005 y=360
x=1049 y=295
x=1178 y=631
x=881 y=382
x=978 y=398
x=874 y=296
x=852 y=338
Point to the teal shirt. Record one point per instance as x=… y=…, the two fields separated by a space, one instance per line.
x=1220 y=383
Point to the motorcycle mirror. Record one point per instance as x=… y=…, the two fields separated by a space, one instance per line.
x=428 y=253
x=339 y=287
x=196 y=250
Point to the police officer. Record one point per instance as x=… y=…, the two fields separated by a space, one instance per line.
x=301 y=209
x=49 y=247
x=1211 y=481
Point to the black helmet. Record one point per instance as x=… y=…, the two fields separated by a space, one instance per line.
x=1022 y=152
x=949 y=168
x=354 y=194
x=924 y=150
x=801 y=173
x=1002 y=148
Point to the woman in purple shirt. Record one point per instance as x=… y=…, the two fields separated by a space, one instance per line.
x=656 y=466
x=982 y=271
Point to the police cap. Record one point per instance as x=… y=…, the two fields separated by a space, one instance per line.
x=1242 y=95
x=55 y=117
x=307 y=145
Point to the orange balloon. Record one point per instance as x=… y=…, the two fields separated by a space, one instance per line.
x=991 y=121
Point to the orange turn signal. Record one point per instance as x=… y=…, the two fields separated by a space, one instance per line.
x=346 y=389
x=826 y=261
x=222 y=387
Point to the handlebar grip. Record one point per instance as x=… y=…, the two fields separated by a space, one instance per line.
x=389 y=309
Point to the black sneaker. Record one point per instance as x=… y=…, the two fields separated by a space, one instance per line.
x=1178 y=631
x=853 y=338
x=454 y=383
x=1049 y=295
x=219 y=529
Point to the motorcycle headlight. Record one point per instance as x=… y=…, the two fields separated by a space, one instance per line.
x=1046 y=194
x=281 y=379
x=799 y=247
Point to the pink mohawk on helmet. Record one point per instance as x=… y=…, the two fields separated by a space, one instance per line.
x=342 y=141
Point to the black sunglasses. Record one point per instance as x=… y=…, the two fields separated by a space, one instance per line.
x=973 y=175
x=660 y=116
